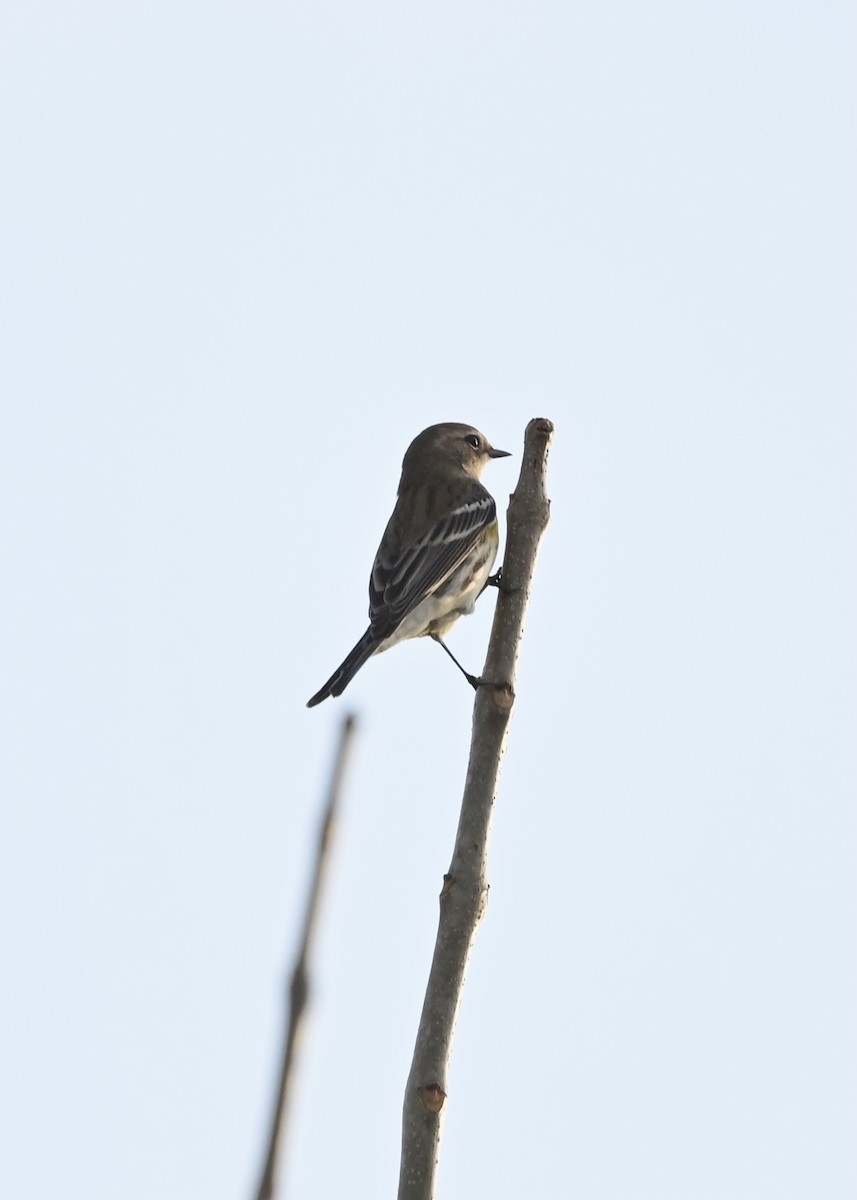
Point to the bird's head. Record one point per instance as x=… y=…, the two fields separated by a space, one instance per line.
x=451 y=445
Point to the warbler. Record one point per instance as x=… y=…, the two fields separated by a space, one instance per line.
x=437 y=551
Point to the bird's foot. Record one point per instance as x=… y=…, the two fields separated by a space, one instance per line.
x=496 y=580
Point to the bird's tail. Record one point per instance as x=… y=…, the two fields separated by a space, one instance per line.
x=346 y=671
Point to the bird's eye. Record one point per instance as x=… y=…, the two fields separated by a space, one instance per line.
x=472 y=439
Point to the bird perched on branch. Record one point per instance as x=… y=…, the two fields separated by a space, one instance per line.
x=437 y=551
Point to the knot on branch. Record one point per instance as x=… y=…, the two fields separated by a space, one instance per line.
x=298 y=989
x=503 y=695
x=432 y=1096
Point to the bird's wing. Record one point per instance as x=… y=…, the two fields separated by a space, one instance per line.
x=421 y=567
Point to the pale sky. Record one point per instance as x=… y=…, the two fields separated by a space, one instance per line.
x=248 y=252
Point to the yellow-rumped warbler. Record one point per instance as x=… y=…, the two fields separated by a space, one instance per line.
x=437 y=550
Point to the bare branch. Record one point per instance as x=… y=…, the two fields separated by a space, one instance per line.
x=465 y=888
x=299 y=983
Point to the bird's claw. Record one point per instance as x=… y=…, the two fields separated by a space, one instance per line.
x=496 y=580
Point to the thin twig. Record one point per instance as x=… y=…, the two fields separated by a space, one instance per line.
x=299 y=983
x=465 y=888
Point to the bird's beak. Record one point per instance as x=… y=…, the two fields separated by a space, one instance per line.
x=492 y=453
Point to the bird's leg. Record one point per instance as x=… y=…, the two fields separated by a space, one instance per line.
x=473 y=680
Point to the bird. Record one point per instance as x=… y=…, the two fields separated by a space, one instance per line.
x=436 y=552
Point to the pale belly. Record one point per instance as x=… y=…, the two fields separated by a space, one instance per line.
x=452 y=600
